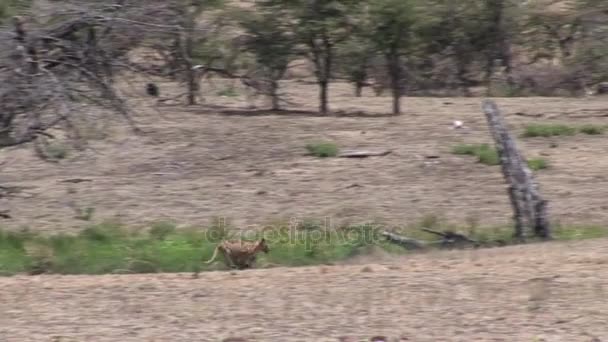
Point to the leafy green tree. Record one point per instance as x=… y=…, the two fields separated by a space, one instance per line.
x=451 y=31
x=190 y=39
x=356 y=54
x=392 y=33
x=9 y=8
x=319 y=25
x=273 y=46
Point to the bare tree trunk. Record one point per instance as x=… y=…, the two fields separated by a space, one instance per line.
x=392 y=59
x=529 y=208
x=517 y=214
x=501 y=47
x=323 y=92
x=358 y=89
x=274 y=87
x=192 y=85
x=322 y=58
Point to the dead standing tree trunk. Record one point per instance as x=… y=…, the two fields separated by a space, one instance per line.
x=529 y=208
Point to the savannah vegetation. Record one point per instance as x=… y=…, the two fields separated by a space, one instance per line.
x=64 y=57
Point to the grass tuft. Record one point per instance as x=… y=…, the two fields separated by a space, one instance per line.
x=536 y=164
x=322 y=149
x=592 y=129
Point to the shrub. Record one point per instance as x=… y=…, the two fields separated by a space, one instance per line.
x=322 y=149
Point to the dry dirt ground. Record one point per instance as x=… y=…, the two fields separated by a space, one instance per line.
x=197 y=163
x=554 y=292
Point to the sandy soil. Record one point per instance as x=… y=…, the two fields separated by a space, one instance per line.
x=194 y=164
x=551 y=292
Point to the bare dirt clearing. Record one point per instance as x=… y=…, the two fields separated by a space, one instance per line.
x=551 y=292
x=195 y=164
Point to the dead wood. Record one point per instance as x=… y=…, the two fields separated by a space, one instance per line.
x=448 y=239
x=55 y=67
x=451 y=238
x=75 y=180
x=364 y=154
x=529 y=208
x=403 y=241
x=5 y=214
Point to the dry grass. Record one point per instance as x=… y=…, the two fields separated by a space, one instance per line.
x=195 y=164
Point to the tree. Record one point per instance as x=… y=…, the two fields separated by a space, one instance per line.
x=189 y=41
x=498 y=34
x=356 y=55
x=46 y=75
x=272 y=44
x=451 y=31
x=10 y=8
x=56 y=66
x=319 y=25
x=392 y=33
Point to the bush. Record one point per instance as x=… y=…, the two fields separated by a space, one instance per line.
x=322 y=149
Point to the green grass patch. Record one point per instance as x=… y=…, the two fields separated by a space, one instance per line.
x=548 y=130
x=322 y=149
x=114 y=248
x=551 y=130
x=581 y=232
x=591 y=129
x=485 y=153
x=489 y=156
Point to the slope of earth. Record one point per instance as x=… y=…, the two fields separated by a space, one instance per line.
x=545 y=292
x=196 y=163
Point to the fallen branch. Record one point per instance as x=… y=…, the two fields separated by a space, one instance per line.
x=5 y=214
x=364 y=154
x=450 y=237
x=75 y=180
x=404 y=241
